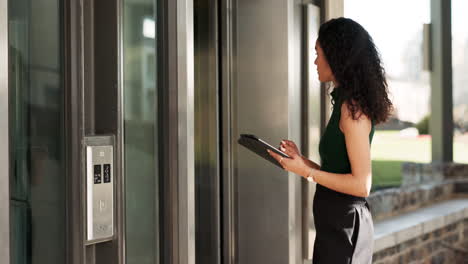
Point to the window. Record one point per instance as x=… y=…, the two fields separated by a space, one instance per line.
x=398 y=34
x=460 y=80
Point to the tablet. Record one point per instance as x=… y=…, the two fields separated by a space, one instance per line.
x=260 y=147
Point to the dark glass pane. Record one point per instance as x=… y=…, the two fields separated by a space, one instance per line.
x=207 y=174
x=36 y=129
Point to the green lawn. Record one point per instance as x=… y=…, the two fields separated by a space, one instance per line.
x=389 y=150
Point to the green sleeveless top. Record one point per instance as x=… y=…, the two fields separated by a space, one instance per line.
x=332 y=146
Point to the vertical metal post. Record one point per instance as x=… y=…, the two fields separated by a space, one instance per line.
x=120 y=137
x=73 y=92
x=186 y=153
x=441 y=121
x=4 y=137
x=294 y=15
x=311 y=110
x=177 y=119
x=229 y=250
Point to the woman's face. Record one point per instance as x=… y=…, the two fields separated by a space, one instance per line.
x=324 y=71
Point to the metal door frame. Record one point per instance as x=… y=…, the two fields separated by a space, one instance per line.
x=78 y=124
x=175 y=102
x=73 y=124
x=176 y=116
x=4 y=137
x=228 y=194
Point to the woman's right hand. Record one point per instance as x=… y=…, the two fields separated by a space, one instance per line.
x=290 y=148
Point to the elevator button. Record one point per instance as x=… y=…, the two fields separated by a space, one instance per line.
x=107 y=173
x=102 y=205
x=97 y=174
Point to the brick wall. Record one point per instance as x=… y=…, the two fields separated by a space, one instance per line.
x=395 y=201
x=420 y=173
x=445 y=245
x=423 y=185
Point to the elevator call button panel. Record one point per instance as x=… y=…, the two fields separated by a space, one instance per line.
x=99 y=192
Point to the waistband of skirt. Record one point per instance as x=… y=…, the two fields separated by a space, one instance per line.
x=323 y=192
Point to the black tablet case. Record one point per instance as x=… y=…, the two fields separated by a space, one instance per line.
x=260 y=147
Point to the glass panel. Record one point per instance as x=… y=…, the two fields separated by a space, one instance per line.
x=36 y=129
x=140 y=145
x=405 y=137
x=460 y=80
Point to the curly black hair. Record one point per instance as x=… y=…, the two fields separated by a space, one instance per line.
x=357 y=68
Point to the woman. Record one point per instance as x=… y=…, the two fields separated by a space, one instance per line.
x=347 y=58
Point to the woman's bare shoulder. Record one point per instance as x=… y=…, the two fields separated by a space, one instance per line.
x=347 y=121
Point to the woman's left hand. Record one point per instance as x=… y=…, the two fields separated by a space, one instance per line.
x=293 y=164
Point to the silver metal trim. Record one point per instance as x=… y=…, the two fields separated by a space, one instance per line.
x=177 y=106
x=229 y=196
x=311 y=24
x=4 y=137
x=295 y=67
x=185 y=92
x=120 y=144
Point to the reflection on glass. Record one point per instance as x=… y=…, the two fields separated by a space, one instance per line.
x=139 y=90
x=36 y=129
x=460 y=80
x=405 y=137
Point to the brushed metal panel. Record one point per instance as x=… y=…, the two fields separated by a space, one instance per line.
x=186 y=154
x=295 y=69
x=177 y=119
x=266 y=102
x=312 y=106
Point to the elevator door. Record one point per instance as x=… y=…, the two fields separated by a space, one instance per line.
x=251 y=76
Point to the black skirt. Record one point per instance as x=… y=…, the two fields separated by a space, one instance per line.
x=344 y=228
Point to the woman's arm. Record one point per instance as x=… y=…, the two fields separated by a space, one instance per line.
x=356 y=183
x=310 y=163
